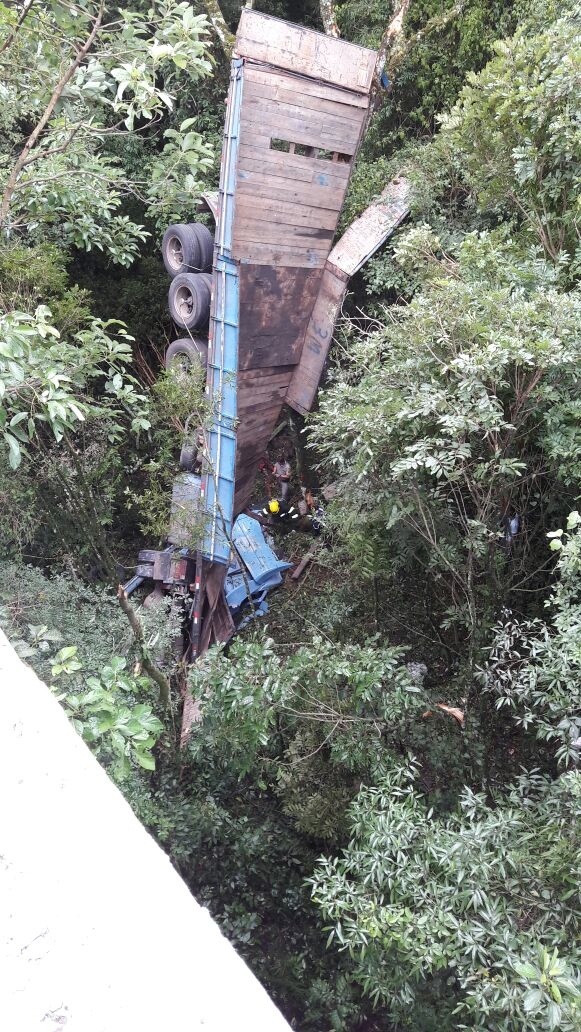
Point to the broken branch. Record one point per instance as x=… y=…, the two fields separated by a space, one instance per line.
x=150 y=668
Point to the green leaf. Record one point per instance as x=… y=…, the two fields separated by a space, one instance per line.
x=145 y=760
x=14 y=454
x=532 y=1000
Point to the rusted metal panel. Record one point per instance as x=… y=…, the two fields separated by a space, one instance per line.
x=297 y=49
x=372 y=228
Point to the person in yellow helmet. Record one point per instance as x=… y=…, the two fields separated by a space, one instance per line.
x=280 y=510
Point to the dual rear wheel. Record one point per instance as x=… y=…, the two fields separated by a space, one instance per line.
x=187 y=248
x=187 y=251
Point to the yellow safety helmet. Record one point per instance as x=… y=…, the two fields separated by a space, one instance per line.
x=273 y=506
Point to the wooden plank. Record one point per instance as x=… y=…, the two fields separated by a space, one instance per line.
x=318 y=337
x=273 y=315
x=261 y=395
x=275 y=114
x=360 y=240
x=266 y=209
x=372 y=228
x=248 y=378
x=212 y=201
x=303 y=50
x=290 y=93
x=251 y=453
x=259 y=254
x=282 y=234
x=307 y=88
x=214 y=575
x=321 y=192
x=250 y=391
x=261 y=418
x=280 y=116
x=298 y=570
x=255 y=382
x=256 y=158
x=308 y=132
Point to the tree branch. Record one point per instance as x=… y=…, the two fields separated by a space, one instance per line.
x=401 y=46
x=394 y=47
x=147 y=664
x=12 y=35
x=216 y=18
x=329 y=18
x=392 y=33
x=24 y=157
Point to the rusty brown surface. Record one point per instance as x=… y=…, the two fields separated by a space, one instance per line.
x=306 y=375
x=275 y=304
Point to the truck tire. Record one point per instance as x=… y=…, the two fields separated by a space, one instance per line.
x=189 y=300
x=187 y=248
x=206 y=242
x=186 y=351
x=188 y=458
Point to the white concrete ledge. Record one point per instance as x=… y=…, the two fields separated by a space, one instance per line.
x=97 y=931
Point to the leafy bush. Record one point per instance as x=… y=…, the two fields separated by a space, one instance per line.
x=479 y=911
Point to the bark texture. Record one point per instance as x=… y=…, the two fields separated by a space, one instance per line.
x=329 y=18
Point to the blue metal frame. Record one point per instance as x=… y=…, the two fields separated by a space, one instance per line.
x=221 y=386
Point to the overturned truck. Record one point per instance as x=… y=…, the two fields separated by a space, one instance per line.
x=269 y=285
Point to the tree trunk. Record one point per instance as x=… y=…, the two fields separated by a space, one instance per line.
x=395 y=47
x=147 y=663
x=216 y=18
x=328 y=17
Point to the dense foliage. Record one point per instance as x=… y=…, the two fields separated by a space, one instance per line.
x=380 y=803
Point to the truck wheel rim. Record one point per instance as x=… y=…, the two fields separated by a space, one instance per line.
x=184 y=302
x=175 y=253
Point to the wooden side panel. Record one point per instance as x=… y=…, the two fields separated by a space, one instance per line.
x=257 y=422
x=297 y=137
x=274 y=303
x=311 y=90
x=293 y=47
x=291 y=166
x=315 y=98
x=357 y=244
x=372 y=228
x=297 y=124
x=305 y=381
